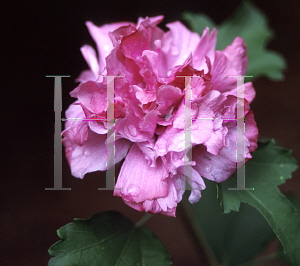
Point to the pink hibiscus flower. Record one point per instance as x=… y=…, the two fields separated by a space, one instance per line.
x=149 y=110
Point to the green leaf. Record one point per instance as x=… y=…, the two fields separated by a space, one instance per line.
x=236 y=237
x=283 y=256
x=251 y=24
x=270 y=167
x=107 y=238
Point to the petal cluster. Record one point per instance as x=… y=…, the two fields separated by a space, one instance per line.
x=150 y=111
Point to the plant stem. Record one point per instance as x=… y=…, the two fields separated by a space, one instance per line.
x=199 y=239
x=143 y=220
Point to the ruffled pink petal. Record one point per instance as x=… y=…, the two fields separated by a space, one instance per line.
x=205 y=48
x=98 y=127
x=221 y=81
x=174 y=137
x=137 y=181
x=117 y=63
x=130 y=127
x=220 y=167
x=143 y=95
x=237 y=55
x=172 y=76
x=179 y=183
x=203 y=125
x=249 y=92
x=85 y=76
x=134 y=44
x=92 y=95
x=216 y=142
x=168 y=204
x=213 y=167
x=149 y=72
x=171 y=140
x=149 y=124
x=90 y=57
x=122 y=147
x=117 y=35
x=200 y=87
x=76 y=131
x=213 y=100
x=175 y=160
x=165 y=205
x=168 y=96
x=251 y=131
x=196 y=182
x=147 y=147
x=177 y=45
x=152 y=21
x=150 y=206
x=91 y=156
x=230 y=62
x=102 y=39
x=151 y=62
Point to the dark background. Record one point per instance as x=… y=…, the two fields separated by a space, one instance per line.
x=43 y=38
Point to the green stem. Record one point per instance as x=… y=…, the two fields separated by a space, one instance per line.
x=200 y=242
x=144 y=219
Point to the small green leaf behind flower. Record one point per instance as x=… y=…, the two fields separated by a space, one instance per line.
x=107 y=238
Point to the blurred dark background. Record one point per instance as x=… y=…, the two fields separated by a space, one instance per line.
x=44 y=38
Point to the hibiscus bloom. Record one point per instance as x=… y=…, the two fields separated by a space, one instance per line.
x=149 y=111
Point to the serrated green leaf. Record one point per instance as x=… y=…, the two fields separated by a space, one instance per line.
x=270 y=167
x=107 y=238
x=251 y=24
